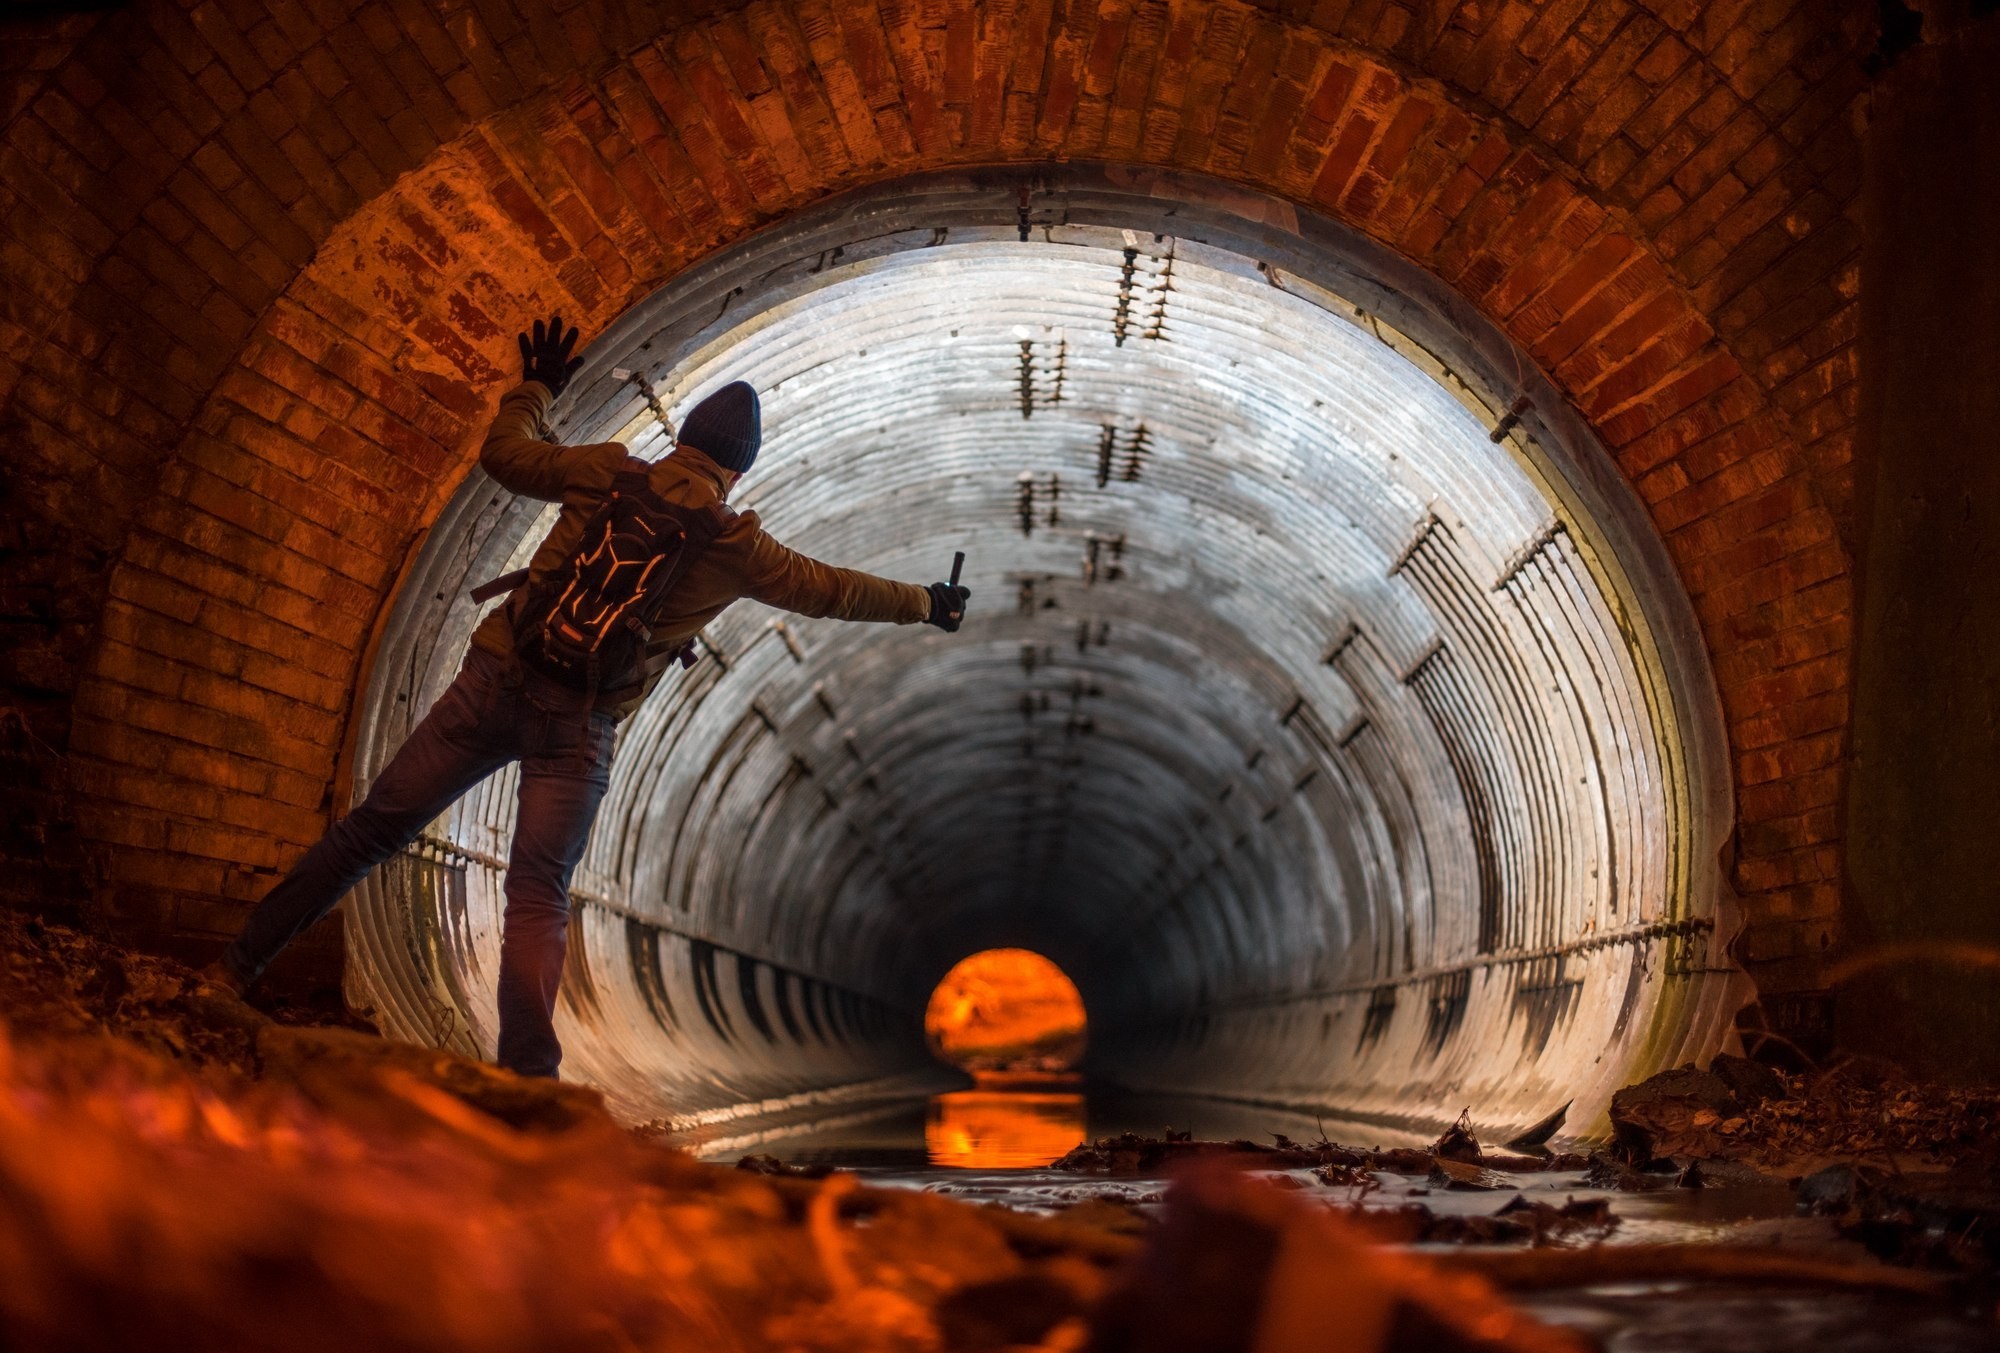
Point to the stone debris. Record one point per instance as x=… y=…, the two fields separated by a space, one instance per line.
x=1829 y=1192
x=1609 y=1172
x=1521 y=1221
x=1324 y=1285
x=1577 y=1219
x=1674 y=1113
x=319 y=1188
x=1448 y=1173
x=772 y=1166
x=1458 y=1142
x=1537 y=1135
x=1740 y=1110
x=1859 y=1111
x=1132 y=1154
x=1946 y=1220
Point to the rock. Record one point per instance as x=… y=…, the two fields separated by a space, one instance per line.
x=1458 y=1142
x=1589 y=1218
x=1453 y=1229
x=1725 y=1175
x=1403 y=1160
x=1538 y=1133
x=1829 y=1192
x=1235 y=1267
x=1605 y=1172
x=1750 y=1082
x=772 y=1166
x=1339 y=1174
x=1675 y=1113
x=1082 y=1157
x=1457 y=1174
x=1538 y=1163
x=1946 y=1220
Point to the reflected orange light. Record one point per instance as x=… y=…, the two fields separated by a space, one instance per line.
x=1006 y=1009
x=1002 y=1129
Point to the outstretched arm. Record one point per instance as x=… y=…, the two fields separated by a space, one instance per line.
x=517 y=451
x=794 y=582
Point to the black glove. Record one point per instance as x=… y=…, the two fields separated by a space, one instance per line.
x=546 y=358
x=947 y=606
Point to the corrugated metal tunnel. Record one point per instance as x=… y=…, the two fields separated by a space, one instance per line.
x=1327 y=707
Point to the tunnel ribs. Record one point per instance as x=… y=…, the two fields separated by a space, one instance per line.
x=1544 y=996
x=1156 y=329
x=1544 y=585
x=1032 y=392
x=1134 y=447
x=1375 y=1022
x=642 y=948
x=432 y=872
x=1093 y=635
x=1481 y=696
x=1121 y=319
x=1160 y=283
x=1441 y=694
x=1445 y=1002
x=652 y=398
x=1693 y=928
x=708 y=992
x=1136 y=451
x=1343 y=858
x=785 y=635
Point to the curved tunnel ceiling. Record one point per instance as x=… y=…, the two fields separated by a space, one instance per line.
x=1342 y=744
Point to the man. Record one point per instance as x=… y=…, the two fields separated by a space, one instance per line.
x=501 y=709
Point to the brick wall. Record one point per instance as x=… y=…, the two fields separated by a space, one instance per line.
x=264 y=263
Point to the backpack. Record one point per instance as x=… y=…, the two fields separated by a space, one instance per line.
x=587 y=624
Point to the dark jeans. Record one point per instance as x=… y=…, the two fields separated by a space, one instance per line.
x=491 y=714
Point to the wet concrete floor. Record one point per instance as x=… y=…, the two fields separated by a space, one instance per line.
x=994 y=1145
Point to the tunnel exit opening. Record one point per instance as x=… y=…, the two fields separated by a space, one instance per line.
x=1006 y=1011
x=1328 y=710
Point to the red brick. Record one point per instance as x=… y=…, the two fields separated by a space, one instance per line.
x=335 y=425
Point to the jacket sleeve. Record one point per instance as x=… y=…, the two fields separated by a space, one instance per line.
x=791 y=581
x=522 y=460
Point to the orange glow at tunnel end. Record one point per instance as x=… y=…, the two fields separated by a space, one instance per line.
x=1006 y=1010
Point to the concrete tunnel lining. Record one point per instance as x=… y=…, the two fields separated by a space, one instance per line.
x=1313 y=823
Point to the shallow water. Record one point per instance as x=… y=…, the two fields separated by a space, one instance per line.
x=1023 y=1122
x=993 y=1144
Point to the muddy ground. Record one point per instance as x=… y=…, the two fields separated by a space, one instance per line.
x=180 y=1170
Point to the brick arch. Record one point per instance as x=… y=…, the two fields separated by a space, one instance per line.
x=1650 y=202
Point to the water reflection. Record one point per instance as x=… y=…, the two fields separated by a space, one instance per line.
x=1018 y=1127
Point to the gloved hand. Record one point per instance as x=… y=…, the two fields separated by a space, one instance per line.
x=546 y=358
x=947 y=606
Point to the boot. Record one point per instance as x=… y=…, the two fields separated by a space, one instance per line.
x=218 y=976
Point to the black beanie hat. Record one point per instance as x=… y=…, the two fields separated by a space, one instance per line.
x=727 y=427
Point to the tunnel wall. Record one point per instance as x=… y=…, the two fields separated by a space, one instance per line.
x=280 y=255
x=1927 y=711
x=1437 y=815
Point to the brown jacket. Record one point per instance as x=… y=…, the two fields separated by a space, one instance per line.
x=744 y=561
